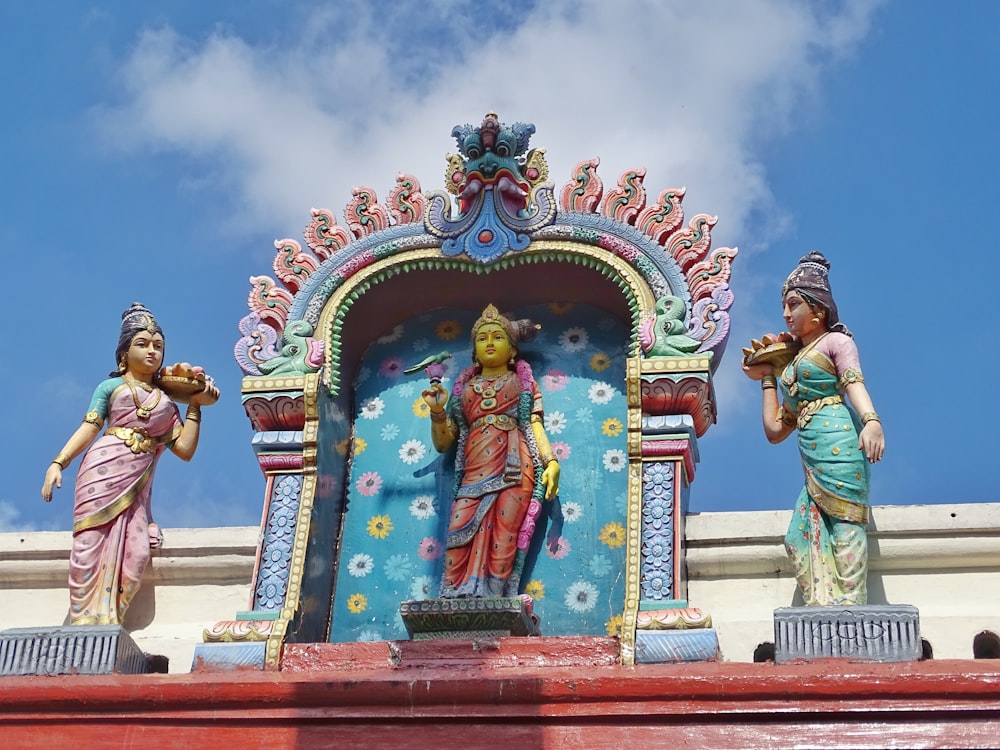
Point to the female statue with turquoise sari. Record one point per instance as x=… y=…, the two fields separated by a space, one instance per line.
x=824 y=399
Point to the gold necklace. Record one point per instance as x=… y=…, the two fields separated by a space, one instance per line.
x=141 y=411
x=792 y=381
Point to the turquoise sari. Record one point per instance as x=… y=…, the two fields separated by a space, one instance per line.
x=827 y=541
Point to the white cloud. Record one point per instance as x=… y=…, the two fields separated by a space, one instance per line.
x=9 y=515
x=690 y=91
x=687 y=90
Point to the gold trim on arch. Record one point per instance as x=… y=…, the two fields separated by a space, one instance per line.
x=623 y=272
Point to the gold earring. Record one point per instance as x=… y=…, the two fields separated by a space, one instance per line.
x=815 y=319
x=122 y=364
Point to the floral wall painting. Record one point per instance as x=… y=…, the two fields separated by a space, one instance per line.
x=398 y=487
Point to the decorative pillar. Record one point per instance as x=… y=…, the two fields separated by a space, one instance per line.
x=671 y=403
x=284 y=442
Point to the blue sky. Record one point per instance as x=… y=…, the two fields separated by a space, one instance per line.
x=153 y=152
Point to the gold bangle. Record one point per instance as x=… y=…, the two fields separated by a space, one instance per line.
x=870 y=416
x=61 y=460
x=193 y=414
x=546 y=460
x=768 y=383
x=439 y=416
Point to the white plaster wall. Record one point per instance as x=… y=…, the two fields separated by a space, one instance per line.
x=944 y=559
x=199 y=577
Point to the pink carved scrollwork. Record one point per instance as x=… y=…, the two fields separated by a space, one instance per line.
x=406 y=202
x=713 y=272
x=364 y=214
x=662 y=219
x=628 y=199
x=269 y=301
x=292 y=266
x=692 y=245
x=324 y=235
x=584 y=192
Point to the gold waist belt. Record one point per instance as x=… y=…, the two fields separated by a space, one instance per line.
x=137 y=439
x=500 y=421
x=807 y=409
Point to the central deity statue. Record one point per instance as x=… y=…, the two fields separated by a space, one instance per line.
x=504 y=463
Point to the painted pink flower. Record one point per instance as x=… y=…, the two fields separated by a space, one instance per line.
x=391 y=367
x=558 y=549
x=554 y=380
x=561 y=451
x=369 y=483
x=430 y=549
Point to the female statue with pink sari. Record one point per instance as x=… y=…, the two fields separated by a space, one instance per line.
x=113 y=529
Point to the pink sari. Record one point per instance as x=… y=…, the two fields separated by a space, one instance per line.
x=111 y=513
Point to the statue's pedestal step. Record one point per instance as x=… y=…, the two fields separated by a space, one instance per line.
x=468 y=618
x=864 y=633
x=71 y=649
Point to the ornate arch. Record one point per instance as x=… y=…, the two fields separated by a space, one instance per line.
x=498 y=215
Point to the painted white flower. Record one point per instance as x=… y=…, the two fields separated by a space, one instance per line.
x=422 y=507
x=421 y=345
x=372 y=408
x=574 y=339
x=406 y=390
x=394 y=335
x=390 y=431
x=555 y=422
x=581 y=596
x=572 y=512
x=422 y=587
x=614 y=459
x=601 y=393
x=412 y=451
x=360 y=565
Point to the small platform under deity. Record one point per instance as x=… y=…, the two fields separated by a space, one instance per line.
x=493 y=617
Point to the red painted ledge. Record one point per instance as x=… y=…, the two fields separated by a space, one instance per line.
x=360 y=697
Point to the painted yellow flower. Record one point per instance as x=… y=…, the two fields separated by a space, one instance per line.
x=448 y=330
x=379 y=526
x=600 y=362
x=359 y=446
x=420 y=408
x=560 y=308
x=614 y=625
x=612 y=427
x=535 y=589
x=357 y=603
x=612 y=535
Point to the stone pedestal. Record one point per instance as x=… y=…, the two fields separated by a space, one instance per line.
x=468 y=618
x=862 y=633
x=73 y=649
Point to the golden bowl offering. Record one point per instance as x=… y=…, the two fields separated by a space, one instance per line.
x=772 y=349
x=181 y=381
